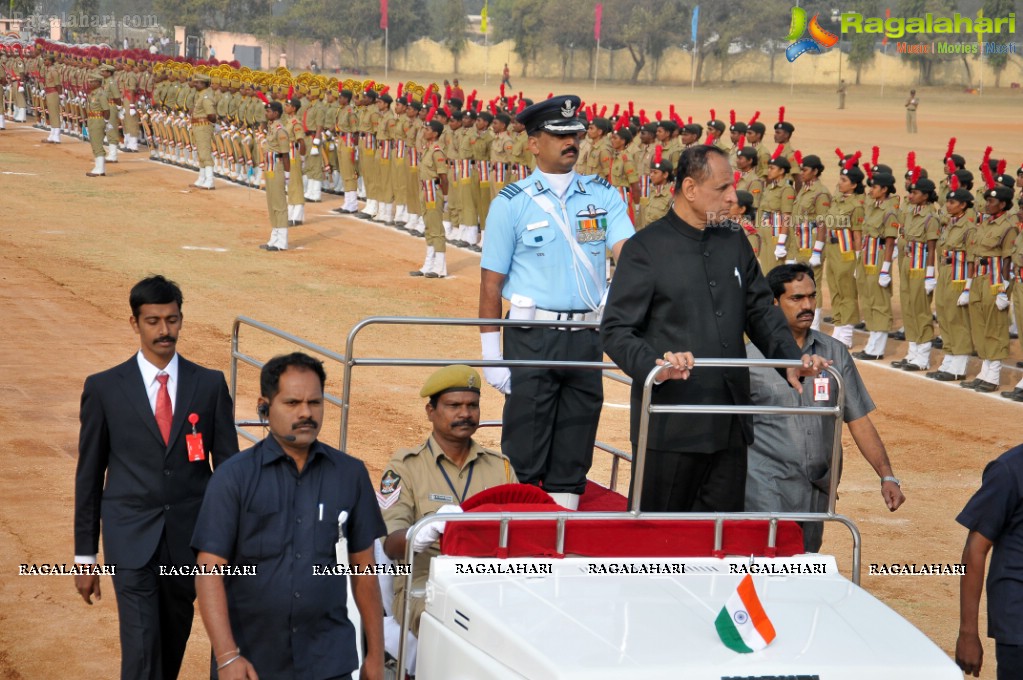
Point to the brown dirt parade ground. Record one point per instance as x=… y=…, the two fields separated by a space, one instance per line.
x=71 y=247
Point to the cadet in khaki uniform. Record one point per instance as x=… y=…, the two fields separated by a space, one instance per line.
x=813 y=203
x=716 y=134
x=483 y=176
x=775 y=214
x=114 y=101
x=413 y=130
x=296 y=191
x=399 y=167
x=990 y=250
x=755 y=138
x=312 y=125
x=96 y=108
x=596 y=160
x=368 y=119
x=501 y=154
x=956 y=228
x=917 y=278
x=129 y=87
x=347 y=143
x=467 y=232
x=449 y=140
x=1016 y=290
x=624 y=176
x=204 y=114
x=736 y=131
x=749 y=180
x=433 y=193
x=522 y=157
x=873 y=274
x=277 y=172
x=385 y=147
x=51 y=85
x=844 y=224
x=437 y=476
x=662 y=179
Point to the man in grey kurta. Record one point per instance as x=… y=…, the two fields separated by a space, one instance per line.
x=789 y=465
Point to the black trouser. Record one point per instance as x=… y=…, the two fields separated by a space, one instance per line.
x=678 y=481
x=155 y=614
x=1010 y=661
x=551 y=416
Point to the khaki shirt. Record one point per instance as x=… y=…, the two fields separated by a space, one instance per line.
x=414 y=486
x=204 y=105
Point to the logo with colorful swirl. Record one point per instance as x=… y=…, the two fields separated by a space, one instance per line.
x=818 y=42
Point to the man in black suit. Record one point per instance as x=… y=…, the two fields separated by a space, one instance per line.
x=689 y=286
x=151 y=428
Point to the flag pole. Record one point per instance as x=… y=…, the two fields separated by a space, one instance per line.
x=486 y=58
x=596 y=65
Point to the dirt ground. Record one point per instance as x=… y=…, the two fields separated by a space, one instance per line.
x=71 y=247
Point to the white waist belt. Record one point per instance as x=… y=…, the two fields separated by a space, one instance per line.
x=547 y=315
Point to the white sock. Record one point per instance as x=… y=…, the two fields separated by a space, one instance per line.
x=957 y=364
x=923 y=355
x=876 y=343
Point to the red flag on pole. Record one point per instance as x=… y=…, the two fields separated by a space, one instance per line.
x=383 y=14
x=598 y=15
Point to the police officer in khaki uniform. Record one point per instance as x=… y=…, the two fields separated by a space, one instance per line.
x=873 y=274
x=96 y=107
x=204 y=115
x=990 y=249
x=775 y=213
x=662 y=181
x=844 y=224
x=433 y=194
x=956 y=229
x=277 y=172
x=438 y=475
x=917 y=276
x=813 y=203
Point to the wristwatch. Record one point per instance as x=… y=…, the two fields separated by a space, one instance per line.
x=893 y=480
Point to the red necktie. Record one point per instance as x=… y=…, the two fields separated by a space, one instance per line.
x=164 y=413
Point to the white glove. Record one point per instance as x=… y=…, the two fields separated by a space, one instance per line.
x=780 y=251
x=287 y=175
x=964 y=298
x=431 y=533
x=884 y=279
x=930 y=283
x=315 y=151
x=21 y=88
x=498 y=376
x=1002 y=302
x=132 y=111
x=818 y=248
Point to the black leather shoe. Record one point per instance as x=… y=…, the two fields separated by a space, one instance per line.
x=985 y=386
x=475 y=248
x=938 y=343
x=362 y=215
x=272 y=249
x=1019 y=364
x=1015 y=394
x=416 y=273
x=867 y=357
x=897 y=335
x=860 y=326
x=899 y=363
x=970 y=384
x=911 y=367
x=945 y=376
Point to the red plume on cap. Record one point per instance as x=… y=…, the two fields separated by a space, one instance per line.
x=987 y=155
x=614 y=114
x=502 y=90
x=431 y=113
x=799 y=158
x=659 y=116
x=777 y=152
x=754 y=118
x=621 y=121
x=263 y=97
x=713 y=114
x=631 y=105
x=953 y=183
x=658 y=154
x=671 y=111
x=731 y=117
x=589 y=114
x=642 y=117
x=522 y=105
x=400 y=86
x=492 y=105
x=742 y=142
x=869 y=170
x=985 y=168
x=1001 y=167
x=841 y=156
x=910 y=160
x=875 y=154
x=853 y=161
x=951 y=147
x=677 y=118
x=781 y=114
x=447 y=111
x=735 y=178
x=603 y=110
x=690 y=119
x=521 y=97
x=915 y=176
x=549 y=95
x=950 y=166
x=386 y=88
x=511 y=103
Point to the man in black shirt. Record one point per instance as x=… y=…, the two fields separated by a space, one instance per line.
x=687 y=286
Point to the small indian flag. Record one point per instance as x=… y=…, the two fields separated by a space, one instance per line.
x=742 y=624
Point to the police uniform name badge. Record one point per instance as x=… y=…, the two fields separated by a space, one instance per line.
x=592 y=224
x=821 y=388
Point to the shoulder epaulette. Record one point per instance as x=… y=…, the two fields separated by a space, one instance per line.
x=597 y=179
x=510 y=191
